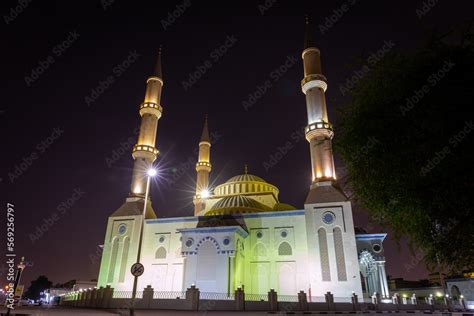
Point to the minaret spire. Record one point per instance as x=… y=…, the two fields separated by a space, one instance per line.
x=205 y=131
x=145 y=151
x=319 y=131
x=203 y=169
x=308 y=34
x=157 y=72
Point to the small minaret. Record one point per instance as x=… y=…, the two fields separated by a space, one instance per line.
x=145 y=152
x=203 y=168
x=319 y=131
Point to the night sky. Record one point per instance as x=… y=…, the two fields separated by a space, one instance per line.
x=59 y=136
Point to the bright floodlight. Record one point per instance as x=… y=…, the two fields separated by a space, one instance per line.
x=205 y=193
x=151 y=172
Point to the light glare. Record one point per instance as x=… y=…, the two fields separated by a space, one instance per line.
x=151 y=172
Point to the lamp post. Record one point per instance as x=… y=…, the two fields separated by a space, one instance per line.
x=21 y=266
x=150 y=174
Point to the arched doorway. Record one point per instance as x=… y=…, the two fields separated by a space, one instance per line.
x=206 y=270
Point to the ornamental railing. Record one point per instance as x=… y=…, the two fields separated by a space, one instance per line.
x=126 y=294
x=216 y=296
x=256 y=297
x=168 y=295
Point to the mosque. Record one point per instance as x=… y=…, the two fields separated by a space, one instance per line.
x=241 y=235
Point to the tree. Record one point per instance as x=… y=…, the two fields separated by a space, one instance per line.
x=407 y=139
x=37 y=286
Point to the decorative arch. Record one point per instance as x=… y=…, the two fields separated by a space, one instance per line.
x=340 y=258
x=260 y=250
x=455 y=293
x=324 y=254
x=113 y=260
x=160 y=253
x=210 y=239
x=285 y=249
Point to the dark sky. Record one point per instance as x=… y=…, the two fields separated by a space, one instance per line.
x=63 y=145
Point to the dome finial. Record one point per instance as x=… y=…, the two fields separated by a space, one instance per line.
x=246 y=171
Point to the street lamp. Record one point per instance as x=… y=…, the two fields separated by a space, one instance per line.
x=21 y=266
x=150 y=174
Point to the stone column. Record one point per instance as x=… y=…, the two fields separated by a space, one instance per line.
x=329 y=297
x=147 y=296
x=192 y=296
x=383 y=279
x=302 y=301
x=273 y=300
x=239 y=297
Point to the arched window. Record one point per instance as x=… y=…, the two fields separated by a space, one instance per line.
x=259 y=250
x=339 y=249
x=285 y=249
x=324 y=255
x=160 y=253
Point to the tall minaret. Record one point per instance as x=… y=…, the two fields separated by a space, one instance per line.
x=319 y=131
x=203 y=168
x=145 y=152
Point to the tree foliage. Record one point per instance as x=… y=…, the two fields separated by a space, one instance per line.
x=37 y=286
x=407 y=139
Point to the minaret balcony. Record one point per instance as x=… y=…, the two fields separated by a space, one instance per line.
x=319 y=128
x=203 y=165
x=144 y=150
x=151 y=108
x=314 y=81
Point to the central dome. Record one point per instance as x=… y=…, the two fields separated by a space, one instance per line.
x=245 y=178
x=245 y=184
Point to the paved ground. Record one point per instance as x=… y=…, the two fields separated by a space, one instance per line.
x=59 y=311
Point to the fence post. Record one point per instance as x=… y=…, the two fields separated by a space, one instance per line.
x=83 y=298
x=462 y=303
x=329 y=297
x=93 y=300
x=107 y=296
x=302 y=301
x=239 y=297
x=192 y=296
x=376 y=300
x=355 y=302
x=88 y=298
x=448 y=302
x=100 y=294
x=273 y=300
x=147 y=296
